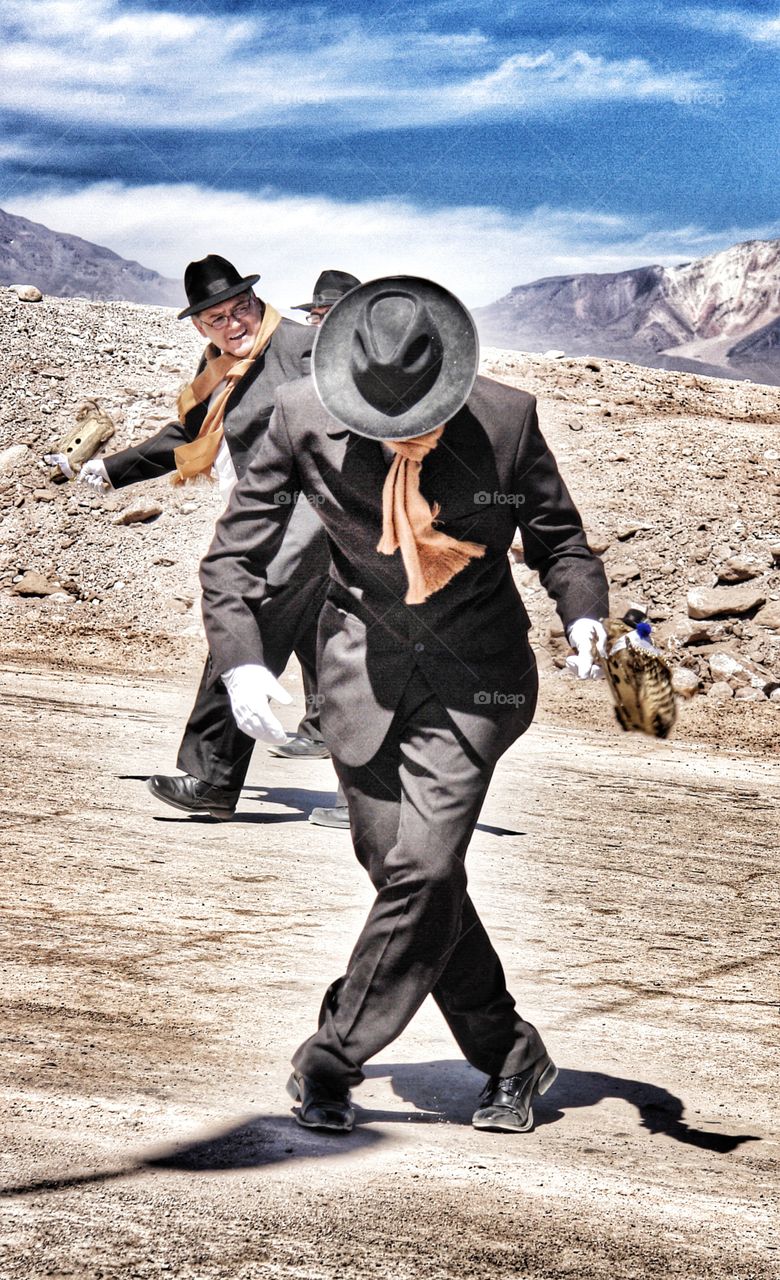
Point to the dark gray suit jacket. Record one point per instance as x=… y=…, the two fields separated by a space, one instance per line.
x=491 y=473
x=248 y=412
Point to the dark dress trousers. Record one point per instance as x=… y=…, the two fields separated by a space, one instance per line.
x=213 y=747
x=418 y=701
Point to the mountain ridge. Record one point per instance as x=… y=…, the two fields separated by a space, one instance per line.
x=716 y=314
x=67 y=266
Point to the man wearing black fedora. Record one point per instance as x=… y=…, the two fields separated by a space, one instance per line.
x=420 y=472
x=330 y=285
x=223 y=415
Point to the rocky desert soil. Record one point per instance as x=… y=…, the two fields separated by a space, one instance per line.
x=158 y=970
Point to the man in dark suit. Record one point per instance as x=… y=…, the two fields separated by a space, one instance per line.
x=224 y=413
x=425 y=671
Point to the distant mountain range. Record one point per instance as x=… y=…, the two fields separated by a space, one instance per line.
x=70 y=267
x=719 y=315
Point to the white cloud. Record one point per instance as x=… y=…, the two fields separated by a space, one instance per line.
x=754 y=27
x=91 y=62
x=525 y=80
x=479 y=253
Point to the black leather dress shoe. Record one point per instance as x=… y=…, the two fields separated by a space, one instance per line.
x=194 y=796
x=322 y=1106
x=338 y=816
x=299 y=748
x=506 y=1100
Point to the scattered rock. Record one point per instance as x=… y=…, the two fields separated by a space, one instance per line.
x=685 y=682
x=738 y=672
x=43 y=495
x=554 y=354
x=11 y=457
x=769 y=615
x=35 y=584
x=623 y=572
x=739 y=569
x=720 y=691
x=27 y=292
x=723 y=602
x=140 y=513
x=629 y=528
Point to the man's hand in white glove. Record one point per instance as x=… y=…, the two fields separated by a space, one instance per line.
x=94 y=473
x=587 y=637
x=249 y=688
x=60 y=460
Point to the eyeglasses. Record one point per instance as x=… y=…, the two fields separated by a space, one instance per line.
x=239 y=312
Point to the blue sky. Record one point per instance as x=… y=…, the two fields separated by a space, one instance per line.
x=484 y=145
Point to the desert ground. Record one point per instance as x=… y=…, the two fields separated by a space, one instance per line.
x=158 y=970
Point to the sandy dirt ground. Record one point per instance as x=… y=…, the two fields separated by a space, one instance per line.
x=158 y=970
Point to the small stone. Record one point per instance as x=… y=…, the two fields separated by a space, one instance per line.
x=553 y=354
x=35 y=584
x=720 y=691
x=141 y=513
x=769 y=616
x=598 y=541
x=774 y=695
x=557 y=394
x=11 y=457
x=739 y=569
x=623 y=572
x=43 y=495
x=594 y=402
x=748 y=694
x=629 y=528
x=685 y=682
x=27 y=292
x=723 y=602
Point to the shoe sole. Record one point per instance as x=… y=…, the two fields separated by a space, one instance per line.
x=496 y=1125
x=296 y=755
x=222 y=815
x=337 y=826
x=295 y=1094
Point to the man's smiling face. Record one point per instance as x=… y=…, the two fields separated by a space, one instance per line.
x=233 y=325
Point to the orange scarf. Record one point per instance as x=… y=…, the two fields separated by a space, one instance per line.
x=197 y=457
x=431 y=558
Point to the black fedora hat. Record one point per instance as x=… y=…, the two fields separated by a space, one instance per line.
x=395 y=358
x=329 y=287
x=211 y=280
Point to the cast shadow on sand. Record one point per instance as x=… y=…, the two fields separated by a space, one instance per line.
x=299 y=800
x=438 y=1092
x=449 y=1091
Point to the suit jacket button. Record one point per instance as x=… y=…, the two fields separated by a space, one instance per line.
x=419 y=647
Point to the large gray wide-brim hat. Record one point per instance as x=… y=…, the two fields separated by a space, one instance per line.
x=395 y=358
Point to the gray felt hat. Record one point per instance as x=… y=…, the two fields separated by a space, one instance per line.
x=395 y=358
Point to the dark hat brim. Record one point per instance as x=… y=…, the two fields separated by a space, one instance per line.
x=216 y=298
x=332 y=353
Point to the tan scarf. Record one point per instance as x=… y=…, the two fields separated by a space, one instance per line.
x=197 y=457
x=431 y=558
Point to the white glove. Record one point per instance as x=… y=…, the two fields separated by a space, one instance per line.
x=94 y=473
x=249 y=688
x=587 y=637
x=59 y=460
